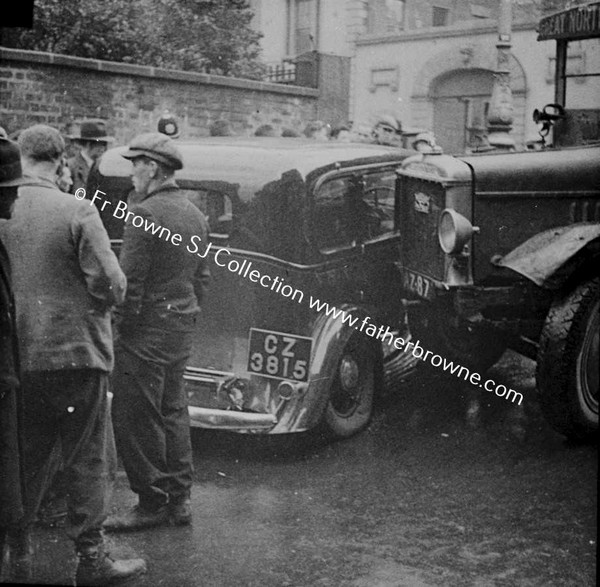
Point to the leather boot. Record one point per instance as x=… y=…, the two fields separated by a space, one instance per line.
x=95 y=567
x=137 y=518
x=180 y=511
x=19 y=555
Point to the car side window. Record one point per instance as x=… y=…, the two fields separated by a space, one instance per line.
x=216 y=207
x=378 y=203
x=333 y=225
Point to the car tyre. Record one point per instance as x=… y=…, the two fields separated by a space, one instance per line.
x=568 y=362
x=350 y=405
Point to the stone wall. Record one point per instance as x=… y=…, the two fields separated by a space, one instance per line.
x=60 y=90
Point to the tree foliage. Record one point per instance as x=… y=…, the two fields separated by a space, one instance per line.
x=212 y=36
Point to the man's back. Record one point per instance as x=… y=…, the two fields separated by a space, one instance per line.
x=65 y=279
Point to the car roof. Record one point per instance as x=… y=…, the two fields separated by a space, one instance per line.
x=252 y=162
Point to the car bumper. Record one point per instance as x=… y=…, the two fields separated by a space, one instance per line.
x=231 y=420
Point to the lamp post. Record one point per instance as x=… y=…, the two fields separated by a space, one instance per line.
x=500 y=114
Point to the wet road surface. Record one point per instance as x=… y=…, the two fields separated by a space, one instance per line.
x=419 y=499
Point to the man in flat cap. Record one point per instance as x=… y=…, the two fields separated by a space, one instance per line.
x=11 y=481
x=66 y=280
x=387 y=130
x=155 y=327
x=94 y=141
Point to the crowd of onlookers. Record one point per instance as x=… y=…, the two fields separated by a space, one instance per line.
x=75 y=320
x=386 y=130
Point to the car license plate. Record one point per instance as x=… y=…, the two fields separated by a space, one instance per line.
x=417 y=284
x=279 y=355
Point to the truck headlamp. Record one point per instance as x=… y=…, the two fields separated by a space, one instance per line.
x=454 y=231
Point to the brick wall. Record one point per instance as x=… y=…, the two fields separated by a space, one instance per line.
x=60 y=90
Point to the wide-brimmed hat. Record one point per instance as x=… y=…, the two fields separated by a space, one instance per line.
x=155 y=146
x=11 y=173
x=92 y=130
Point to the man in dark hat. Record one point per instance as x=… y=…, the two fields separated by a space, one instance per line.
x=155 y=327
x=66 y=280
x=94 y=141
x=11 y=490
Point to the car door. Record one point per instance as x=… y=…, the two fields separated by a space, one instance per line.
x=354 y=229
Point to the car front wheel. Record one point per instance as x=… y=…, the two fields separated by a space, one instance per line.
x=568 y=370
x=350 y=404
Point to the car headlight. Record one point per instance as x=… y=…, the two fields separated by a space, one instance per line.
x=454 y=231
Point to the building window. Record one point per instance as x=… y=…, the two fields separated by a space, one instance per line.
x=440 y=16
x=395 y=11
x=302 y=26
x=385 y=16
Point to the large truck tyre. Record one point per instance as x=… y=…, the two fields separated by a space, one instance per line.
x=568 y=363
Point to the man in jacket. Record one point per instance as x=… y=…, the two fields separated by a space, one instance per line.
x=94 y=141
x=66 y=279
x=11 y=490
x=155 y=327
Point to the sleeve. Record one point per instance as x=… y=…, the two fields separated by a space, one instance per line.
x=202 y=274
x=106 y=283
x=136 y=257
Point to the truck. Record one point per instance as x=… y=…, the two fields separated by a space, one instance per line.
x=502 y=249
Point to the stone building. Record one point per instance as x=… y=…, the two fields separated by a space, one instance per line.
x=430 y=63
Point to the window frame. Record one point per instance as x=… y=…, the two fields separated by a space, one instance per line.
x=357 y=175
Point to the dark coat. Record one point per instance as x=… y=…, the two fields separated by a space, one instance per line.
x=11 y=504
x=165 y=282
x=80 y=171
x=66 y=279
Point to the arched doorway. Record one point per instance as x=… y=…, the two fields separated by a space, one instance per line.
x=461 y=100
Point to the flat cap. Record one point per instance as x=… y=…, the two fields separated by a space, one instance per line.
x=387 y=120
x=155 y=146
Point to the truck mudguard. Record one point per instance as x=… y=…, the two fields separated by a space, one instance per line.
x=542 y=257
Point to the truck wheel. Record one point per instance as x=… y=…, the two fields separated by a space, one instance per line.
x=568 y=362
x=350 y=404
x=445 y=334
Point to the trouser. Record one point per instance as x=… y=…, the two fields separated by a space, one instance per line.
x=150 y=414
x=11 y=445
x=11 y=487
x=69 y=408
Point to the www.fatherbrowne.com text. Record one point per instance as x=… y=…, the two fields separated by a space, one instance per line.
x=277 y=284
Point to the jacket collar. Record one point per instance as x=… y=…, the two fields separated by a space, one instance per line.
x=32 y=180
x=168 y=185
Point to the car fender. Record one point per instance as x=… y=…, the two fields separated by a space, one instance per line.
x=330 y=336
x=550 y=257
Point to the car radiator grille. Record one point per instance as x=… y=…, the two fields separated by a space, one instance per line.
x=420 y=210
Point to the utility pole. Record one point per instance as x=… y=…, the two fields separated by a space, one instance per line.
x=500 y=114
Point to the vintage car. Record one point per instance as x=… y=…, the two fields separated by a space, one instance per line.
x=292 y=223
